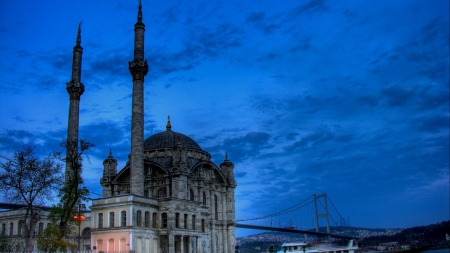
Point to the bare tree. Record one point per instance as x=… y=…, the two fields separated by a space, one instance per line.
x=29 y=181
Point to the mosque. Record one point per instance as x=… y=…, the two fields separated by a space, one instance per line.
x=169 y=197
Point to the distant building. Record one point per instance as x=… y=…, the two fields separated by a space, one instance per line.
x=11 y=230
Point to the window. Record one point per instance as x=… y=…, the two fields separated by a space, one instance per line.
x=147 y=219
x=19 y=228
x=177 y=220
x=162 y=193
x=123 y=218
x=185 y=220
x=154 y=220
x=111 y=219
x=164 y=220
x=203 y=225
x=193 y=221
x=3 y=228
x=204 y=198
x=216 y=214
x=11 y=228
x=191 y=195
x=41 y=228
x=100 y=220
x=49 y=224
x=139 y=218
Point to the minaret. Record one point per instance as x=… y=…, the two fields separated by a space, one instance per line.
x=138 y=69
x=75 y=89
x=109 y=172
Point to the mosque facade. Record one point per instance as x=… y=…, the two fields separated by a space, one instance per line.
x=170 y=196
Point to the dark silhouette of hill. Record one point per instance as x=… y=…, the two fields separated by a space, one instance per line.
x=428 y=235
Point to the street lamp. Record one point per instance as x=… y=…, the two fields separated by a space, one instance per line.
x=79 y=217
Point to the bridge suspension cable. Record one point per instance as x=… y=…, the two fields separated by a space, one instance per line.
x=288 y=210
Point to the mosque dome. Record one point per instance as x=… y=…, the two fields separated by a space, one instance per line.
x=170 y=139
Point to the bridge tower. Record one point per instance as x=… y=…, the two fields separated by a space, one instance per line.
x=321 y=215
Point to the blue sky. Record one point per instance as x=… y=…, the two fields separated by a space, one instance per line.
x=350 y=98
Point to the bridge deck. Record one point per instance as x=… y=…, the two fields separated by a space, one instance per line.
x=295 y=231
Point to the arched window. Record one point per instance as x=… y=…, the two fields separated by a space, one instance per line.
x=177 y=220
x=123 y=218
x=41 y=228
x=139 y=218
x=147 y=219
x=162 y=193
x=204 y=198
x=100 y=220
x=100 y=245
x=216 y=213
x=111 y=219
x=164 y=220
x=154 y=220
x=191 y=195
x=111 y=245
x=86 y=233
x=19 y=228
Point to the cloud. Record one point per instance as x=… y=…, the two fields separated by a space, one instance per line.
x=106 y=135
x=431 y=123
x=397 y=96
x=309 y=7
x=12 y=140
x=260 y=22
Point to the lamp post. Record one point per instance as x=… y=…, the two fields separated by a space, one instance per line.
x=79 y=217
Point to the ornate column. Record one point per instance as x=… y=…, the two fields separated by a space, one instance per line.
x=138 y=69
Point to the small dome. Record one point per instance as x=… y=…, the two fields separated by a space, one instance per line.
x=169 y=139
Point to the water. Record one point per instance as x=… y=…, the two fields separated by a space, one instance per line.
x=437 y=251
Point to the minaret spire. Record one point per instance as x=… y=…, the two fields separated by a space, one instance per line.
x=75 y=89
x=138 y=69
x=79 y=34
x=139 y=17
x=168 y=125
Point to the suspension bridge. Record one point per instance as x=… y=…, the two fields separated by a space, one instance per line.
x=311 y=216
